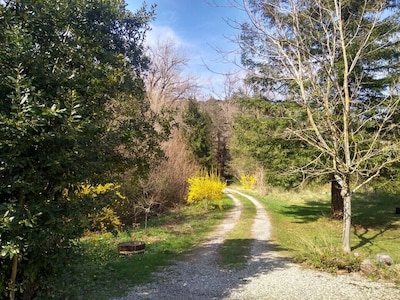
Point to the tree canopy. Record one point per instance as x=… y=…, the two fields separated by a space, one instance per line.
x=73 y=111
x=196 y=129
x=330 y=57
x=259 y=136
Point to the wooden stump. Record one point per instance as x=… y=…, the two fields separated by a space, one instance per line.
x=130 y=248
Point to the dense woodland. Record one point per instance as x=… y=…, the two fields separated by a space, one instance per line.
x=98 y=131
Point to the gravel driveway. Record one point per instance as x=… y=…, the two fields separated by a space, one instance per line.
x=266 y=276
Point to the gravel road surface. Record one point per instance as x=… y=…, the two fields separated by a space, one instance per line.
x=267 y=275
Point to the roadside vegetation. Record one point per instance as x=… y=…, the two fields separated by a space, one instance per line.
x=98 y=271
x=302 y=226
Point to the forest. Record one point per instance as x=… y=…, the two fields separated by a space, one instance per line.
x=99 y=131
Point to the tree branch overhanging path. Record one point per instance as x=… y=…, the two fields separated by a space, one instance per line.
x=267 y=275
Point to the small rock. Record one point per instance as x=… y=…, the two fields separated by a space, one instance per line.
x=384 y=259
x=367 y=267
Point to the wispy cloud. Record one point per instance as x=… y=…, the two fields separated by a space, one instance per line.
x=164 y=33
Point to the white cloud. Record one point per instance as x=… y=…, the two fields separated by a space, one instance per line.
x=164 y=33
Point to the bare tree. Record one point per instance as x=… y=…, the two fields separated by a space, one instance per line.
x=320 y=53
x=166 y=82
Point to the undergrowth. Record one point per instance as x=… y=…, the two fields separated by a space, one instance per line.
x=99 y=272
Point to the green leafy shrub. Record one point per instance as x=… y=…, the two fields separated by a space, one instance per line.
x=61 y=125
x=205 y=189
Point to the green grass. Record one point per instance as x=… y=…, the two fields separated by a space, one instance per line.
x=235 y=250
x=301 y=225
x=101 y=273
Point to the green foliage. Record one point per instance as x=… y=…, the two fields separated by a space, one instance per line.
x=260 y=139
x=72 y=111
x=388 y=181
x=358 y=64
x=206 y=189
x=96 y=271
x=197 y=132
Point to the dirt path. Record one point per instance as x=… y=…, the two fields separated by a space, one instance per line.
x=266 y=276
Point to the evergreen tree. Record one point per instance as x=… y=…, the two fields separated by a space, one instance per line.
x=197 y=132
x=260 y=136
x=328 y=56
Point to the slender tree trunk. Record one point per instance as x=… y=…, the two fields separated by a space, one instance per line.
x=336 y=201
x=13 y=276
x=346 y=193
x=14 y=265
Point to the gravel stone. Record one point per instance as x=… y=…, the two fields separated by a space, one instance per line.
x=267 y=275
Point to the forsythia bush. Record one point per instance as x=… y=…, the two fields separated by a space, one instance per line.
x=205 y=189
x=248 y=181
x=94 y=190
x=106 y=219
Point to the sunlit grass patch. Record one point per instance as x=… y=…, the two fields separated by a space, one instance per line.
x=301 y=225
x=100 y=272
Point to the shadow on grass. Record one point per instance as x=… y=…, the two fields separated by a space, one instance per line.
x=371 y=210
x=236 y=253
x=376 y=210
x=310 y=211
x=373 y=216
x=362 y=232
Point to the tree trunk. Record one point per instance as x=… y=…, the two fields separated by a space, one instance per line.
x=336 y=201
x=346 y=194
x=14 y=266
x=13 y=277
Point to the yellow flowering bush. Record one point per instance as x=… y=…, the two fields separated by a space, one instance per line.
x=205 y=189
x=95 y=190
x=105 y=219
x=248 y=182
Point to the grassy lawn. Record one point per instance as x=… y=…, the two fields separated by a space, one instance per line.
x=301 y=225
x=99 y=272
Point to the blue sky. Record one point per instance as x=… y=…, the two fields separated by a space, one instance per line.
x=197 y=27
